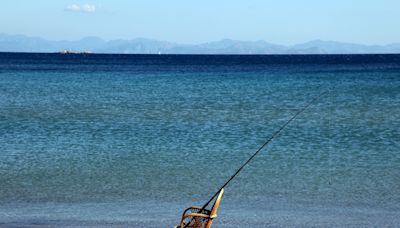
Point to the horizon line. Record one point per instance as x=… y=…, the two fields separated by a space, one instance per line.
x=198 y=54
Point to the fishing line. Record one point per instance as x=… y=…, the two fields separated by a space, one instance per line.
x=263 y=145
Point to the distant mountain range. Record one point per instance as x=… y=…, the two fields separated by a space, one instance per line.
x=21 y=43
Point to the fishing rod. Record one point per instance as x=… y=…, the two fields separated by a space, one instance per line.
x=263 y=145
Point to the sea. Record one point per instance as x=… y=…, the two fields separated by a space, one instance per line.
x=93 y=140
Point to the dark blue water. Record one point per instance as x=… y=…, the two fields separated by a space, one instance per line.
x=114 y=139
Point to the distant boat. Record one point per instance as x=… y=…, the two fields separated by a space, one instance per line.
x=68 y=52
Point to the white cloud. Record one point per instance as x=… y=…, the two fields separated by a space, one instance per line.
x=85 y=8
x=88 y=8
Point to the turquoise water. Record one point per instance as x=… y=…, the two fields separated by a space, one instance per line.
x=114 y=141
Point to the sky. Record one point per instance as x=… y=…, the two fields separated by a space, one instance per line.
x=283 y=22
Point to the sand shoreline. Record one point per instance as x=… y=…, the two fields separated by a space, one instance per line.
x=116 y=215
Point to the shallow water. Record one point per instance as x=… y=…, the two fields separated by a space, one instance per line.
x=114 y=139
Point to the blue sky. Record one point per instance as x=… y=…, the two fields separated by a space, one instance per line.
x=195 y=21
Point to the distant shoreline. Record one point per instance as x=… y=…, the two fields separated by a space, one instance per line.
x=22 y=43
